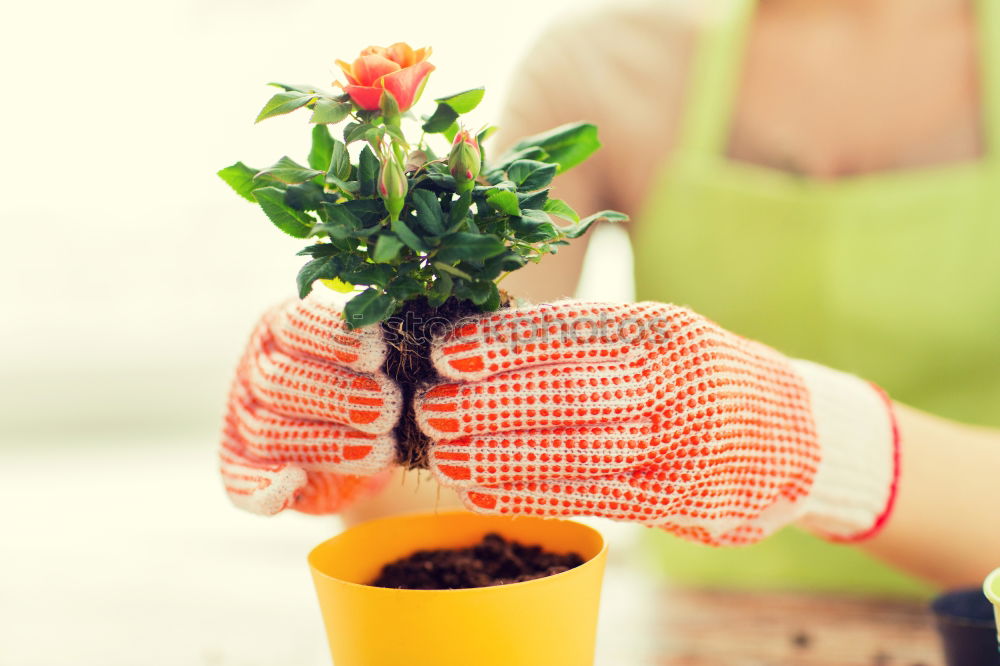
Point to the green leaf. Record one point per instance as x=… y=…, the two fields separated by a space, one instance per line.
x=468 y=246
x=531 y=175
x=477 y=291
x=486 y=133
x=284 y=102
x=409 y=267
x=365 y=232
x=407 y=236
x=287 y=170
x=340 y=166
x=299 y=88
x=440 y=120
x=502 y=263
x=368 y=168
x=450 y=132
x=240 y=177
x=346 y=247
x=459 y=209
x=560 y=208
x=492 y=301
x=348 y=186
x=319 y=268
x=356 y=218
x=465 y=101
x=369 y=211
x=307 y=196
x=292 y=222
x=343 y=223
x=566 y=145
x=328 y=112
x=443 y=181
x=365 y=273
x=405 y=288
x=440 y=289
x=504 y=201
x=319 y=250
x=580 y=228
x=322 y=148
x=428 y=210
x=445 y=268
x=356 y=131
x=532 y=200
x=369 y=307
x=387 y=248
x=497 y=172
x=338 y=285
x=534 y=226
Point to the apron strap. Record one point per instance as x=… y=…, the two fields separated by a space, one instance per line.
x=715 y=73
x=988 y=19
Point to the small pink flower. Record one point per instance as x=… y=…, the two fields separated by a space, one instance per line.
x=465 y=159
x=392 y=187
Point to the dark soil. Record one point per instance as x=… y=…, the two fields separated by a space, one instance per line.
x=408 y=334
x=492 y=561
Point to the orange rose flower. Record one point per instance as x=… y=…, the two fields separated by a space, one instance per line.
x=398 y=69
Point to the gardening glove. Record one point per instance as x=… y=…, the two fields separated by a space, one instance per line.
x=310 y=415
x=651 y=413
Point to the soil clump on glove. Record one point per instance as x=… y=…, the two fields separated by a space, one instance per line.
x=408 y=335
x=492 y=561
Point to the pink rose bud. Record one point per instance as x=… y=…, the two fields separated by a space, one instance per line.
x=392 y=187
x=465 y=160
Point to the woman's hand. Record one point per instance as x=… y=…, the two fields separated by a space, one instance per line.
x=310 y=416
x=651 y=413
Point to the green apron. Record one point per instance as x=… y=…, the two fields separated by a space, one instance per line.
x=892 y=276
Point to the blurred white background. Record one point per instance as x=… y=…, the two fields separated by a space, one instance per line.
x=130 y=277
x=130 y=274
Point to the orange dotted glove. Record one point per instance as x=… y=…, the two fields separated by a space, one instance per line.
x=651 y=413
x=310 y=416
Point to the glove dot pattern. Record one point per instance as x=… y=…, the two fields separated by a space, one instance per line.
x=307 y=425
x=644 y=412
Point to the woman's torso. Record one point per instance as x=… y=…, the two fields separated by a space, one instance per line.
x=893 y=274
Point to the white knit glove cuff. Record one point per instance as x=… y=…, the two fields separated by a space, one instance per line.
x=855 y=484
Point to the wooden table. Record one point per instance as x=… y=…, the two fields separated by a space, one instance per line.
x=703 y=627
x=663 y=626
x=140 y=561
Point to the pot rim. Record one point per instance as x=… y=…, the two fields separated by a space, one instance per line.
x=594 y=560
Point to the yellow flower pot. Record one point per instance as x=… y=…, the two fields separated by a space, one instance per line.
x=550 y=621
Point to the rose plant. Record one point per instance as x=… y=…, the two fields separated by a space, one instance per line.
x=412 y=227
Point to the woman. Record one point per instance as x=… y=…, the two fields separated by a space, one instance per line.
x=819 y=178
